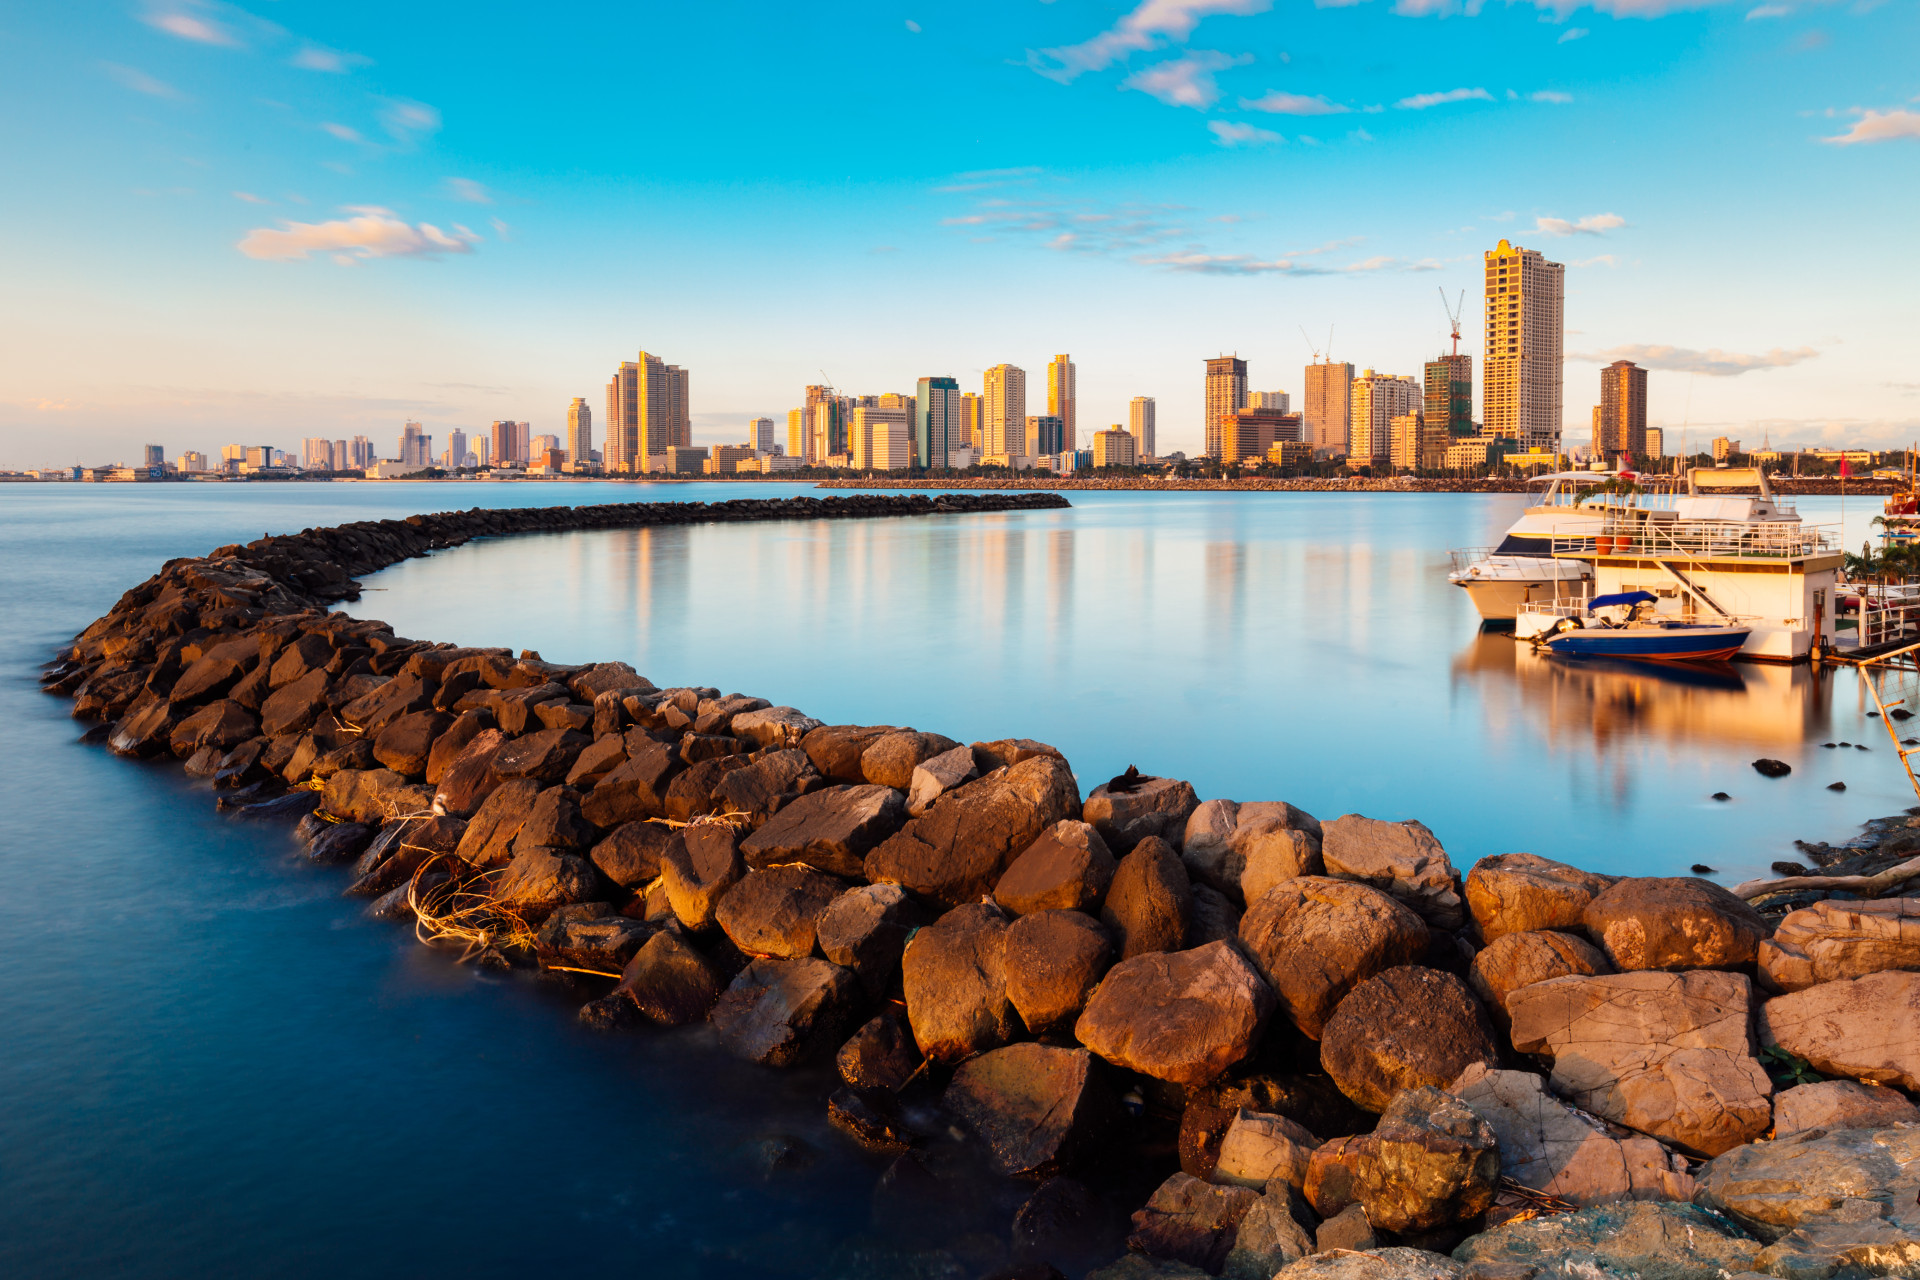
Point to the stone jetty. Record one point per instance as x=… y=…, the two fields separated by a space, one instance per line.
x=1300 y=1048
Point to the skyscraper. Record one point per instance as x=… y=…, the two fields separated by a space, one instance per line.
x=1620 y=420
x=826 y=422
x=1061 y=397
x=1004 y=414
x=1046 y=436
x=509 y=443
x=1140 y=426
x=1226 y=393
x=760 y=435
x=1377 y=399
x=679 y=408
x=579 y=434
x=870 y=422
x=457 y=448
x=936 y=421
x=647 y=411
x=1278 y=401
x=1449 y=394
x=1328 y=408
x=1656 y=442
x=972 y=415
x=1526 y=320
x=156 y=455
x=799 y=436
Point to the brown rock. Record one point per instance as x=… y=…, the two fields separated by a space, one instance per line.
x=935 y=777
x=698 y=866
x=1191 y=1221
x=1183 y=1016
x=1004 y=753
x=223 y=725
x=1430 y=1162
x=957 y=850
x=1036 y=1107
x=631 y=855
x=405 y=745
x=373 y=795
x=295 y=706
x=1399 y=858
x=1840 y=1104
x=209 y=677
x=954 y=975
x=374 y=711
x=1836 y=939
x=865 y=929
x=1149 y=904
x=1310 y=1101
x=672 y=983
x=767 y=785
x=452 y=744
x=489 y=838
x=1067 y=868
x=832 y=829
x=634 y=790
x=775 y=912
x=1516 y=960
x=1313 y=939
x=1154 y=807
x=1242 y=850
x=695 y=747
x=1054 y=961
x=145 y=732
x=1214 y=919
x=1401 y=1029
x=891 y=758
x=589 y=935
x=1677 y=922
x=1521 y=893
x=1259 y=1147
x=597 y=761
x=690 y=794
x=836 y=749
x=781 y=1013
x=565 y=715
x=309 y=653
x=470 y=779
x=539 y=879
x=1669 y=1054
x=880 y=1055
x=554 y=820
x=773 y=727
x=545 y=755
x=1862 y=1028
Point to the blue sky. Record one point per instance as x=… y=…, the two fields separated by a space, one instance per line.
x=265 y=221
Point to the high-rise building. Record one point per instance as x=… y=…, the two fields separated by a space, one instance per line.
x=156 y=455
x=648 y=409
x=1724 y=448
x=1278 y=401
x=456 y=455
x=361 y=454
x=1114 y=447
x=541 y=445
x=1620 y=419
x=1376 y=400
x=972 y=415
x=1226 y=393
x=890 y=442
x=679 y=407
x=579 y=432
x=416 y=446
x=316 y=454
x=193 y=460
x=483 y=450
x=1449 y=394
x=937 y=409
x=1046 y=436
x=1414 y=444
x=866 y=423
x=510 y=443
x=1062 y=395
x=1526 y=322
x=1329 y=405
x=1656 y=442
x=1004 y=415
x=827 y=413
x=1140 y=426
x=760 y=435
x=1248 y=433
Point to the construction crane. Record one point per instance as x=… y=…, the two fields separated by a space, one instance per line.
x=1453 y=316
x=1310 y=347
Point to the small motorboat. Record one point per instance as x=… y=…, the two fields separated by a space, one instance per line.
x=1624 y=625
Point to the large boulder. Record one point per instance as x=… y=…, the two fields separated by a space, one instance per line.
x=773 y=726
x=1840 y=1104
x=222 y=725
x=1067 y=868
x=630 y=854
x=1835 y=939
x=1399 y=858
x=866 y=928
x=1242 y=850
x=955 y=980
x=1270 y=1236
x=891 y=758
x=1429 y=1163
x=832 y=829
x=1633 y=1241
x=1862 y=1028
x=781 y=1013
x=1314 y=938
x=1259 y=1147
x=880 y=1055
x=956 y=851
x=490 y=835
x=1191 y=1221
x=764 y=787
x=935 y=777
x=1310 y=1101
x=553 y=820
x=294 y=707
x=1150 y=902
x=1516 y=960
x=406 y=744
x=1182 y=1016
x=1840 y=1204
x=670 y=981
x=1036 y=1107
x=698 y=866
x=835 y=749
x=1405 y=1027
x=1673 y=922
x=1127 y=811
x=540 y=879
x=774 y=912
x=590 y=935
x=636 y=789
x=1549 y=1147
x=1214 y=918
x=466 y=782
x=595 y=762
x=452 y=744
x=1669 y=1054
x=1054 y=961
x=1523 y=893
x=373 y=796
x=1394 y=1263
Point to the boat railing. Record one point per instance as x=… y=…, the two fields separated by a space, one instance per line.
x=1577 y=608
x=1702 y=539
x=1465 y=558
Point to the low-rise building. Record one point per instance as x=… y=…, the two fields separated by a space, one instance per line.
x=1290 y=453
x=1471 y=453
x=1114 y=447
x=730 y=458
x=686 y=459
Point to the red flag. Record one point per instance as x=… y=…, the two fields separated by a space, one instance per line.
x=1846 y=472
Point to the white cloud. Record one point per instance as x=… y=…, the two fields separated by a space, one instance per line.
x=1421 y=101
x=371 y=233
x=190 y=20
x=315 y=57
x=1240 y=264
x=1292 y=104
x=1186 y=81
x=1152 y=24
x=139 y=81
x=1551 y=95
x=1594 y=224
x=1768 y=11
x=1573 y=33
x=251 y=198
x=987 y=179
x=1234 y=134
x=913 y=26
x=1713 y=362
x=405 y=119
x=346 y=133
x=469 y=190
x=1602 y=260
x=1879 y=126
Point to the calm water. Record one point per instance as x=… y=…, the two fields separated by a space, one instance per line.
x=213 y=1064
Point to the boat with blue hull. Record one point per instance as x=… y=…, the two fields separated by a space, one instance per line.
x=1625 y=626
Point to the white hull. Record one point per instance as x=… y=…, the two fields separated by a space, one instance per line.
x=1499 y=599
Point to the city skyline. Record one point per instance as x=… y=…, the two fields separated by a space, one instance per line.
x=323 y=223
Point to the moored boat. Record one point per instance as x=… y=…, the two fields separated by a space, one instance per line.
x=1523 y=569
x=1625 y=626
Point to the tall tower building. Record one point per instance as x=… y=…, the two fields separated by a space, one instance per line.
x=1062 y=395
x=1526 y=322
x=1449 y=394
x=826 y=422
x=1004 y=414
x=679 y=410
x=1226 y=393
x=415 y=445
x=1328 y=406
x=1278 y=401
x=1377 y=399
x=156 y=455
x=456 y=449
x=1046 y=436
x=579 y=434
x=1620 y=420
x=1140 y=426
x=647 y=411
x=760 y=435
x=972 y=416
x=936 y=422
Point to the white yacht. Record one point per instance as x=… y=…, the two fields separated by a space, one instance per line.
x=1523 y=568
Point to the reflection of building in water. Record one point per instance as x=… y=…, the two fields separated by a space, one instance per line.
x=1226 y=579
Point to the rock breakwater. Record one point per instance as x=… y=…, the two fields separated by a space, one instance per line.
x=1285 y=1046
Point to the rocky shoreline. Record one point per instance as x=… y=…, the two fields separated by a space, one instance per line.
x=1786 y=486
x=1314 y=1049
